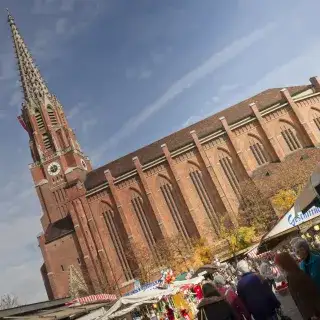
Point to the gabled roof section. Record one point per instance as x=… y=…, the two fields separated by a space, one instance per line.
x=182 y=137
x=59 y=229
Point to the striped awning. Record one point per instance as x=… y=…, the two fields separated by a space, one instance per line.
x=103 y=297
x=253 y=254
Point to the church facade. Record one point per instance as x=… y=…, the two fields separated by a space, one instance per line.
x=177 y=185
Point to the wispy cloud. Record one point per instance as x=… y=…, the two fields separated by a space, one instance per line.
x=138 y=73
x=74 y=111
x=61 y=25
x=216 y=61
x=87 y=124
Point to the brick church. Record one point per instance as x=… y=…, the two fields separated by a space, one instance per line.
x=176 y=185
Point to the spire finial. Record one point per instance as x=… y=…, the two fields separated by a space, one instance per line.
x=33 y=84
x=10 y=17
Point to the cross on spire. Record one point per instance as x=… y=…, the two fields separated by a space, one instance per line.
x=33 y=84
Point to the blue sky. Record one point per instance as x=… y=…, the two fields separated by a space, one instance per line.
x=130 y=72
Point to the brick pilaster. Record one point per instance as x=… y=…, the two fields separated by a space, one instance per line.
x=115 y=196
x=150 y=198
x=315 y=81
x=273 y=142
x=312 y=140
x=84 y=247
x=235 y=146
x=213 y=174
x=48 y=263
x=95 y=229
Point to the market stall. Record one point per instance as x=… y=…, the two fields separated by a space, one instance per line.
x=172 y=294
x=292 y=224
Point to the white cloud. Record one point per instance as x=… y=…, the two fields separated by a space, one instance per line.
x=19 y=227
x=87 y=124
x=61 y=25
x=138 y=73
x=216 y=61
x=191 y=120
x=228 y=87
x=293 y=72
x=74 y=111
x=67 y=5
x=145 y=74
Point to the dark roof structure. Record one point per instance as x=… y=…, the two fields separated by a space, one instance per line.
x=59 y=229
x=182 y=137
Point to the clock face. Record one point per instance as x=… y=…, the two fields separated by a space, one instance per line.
x=84 y=165
x=54 y=168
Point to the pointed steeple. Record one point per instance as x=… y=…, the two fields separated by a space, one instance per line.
x=34 y=86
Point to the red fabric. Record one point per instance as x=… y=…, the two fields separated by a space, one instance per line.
x=198 y=291
x=235 y=302
x=170 y=314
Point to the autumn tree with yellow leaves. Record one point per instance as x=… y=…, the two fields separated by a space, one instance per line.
x=284 y=200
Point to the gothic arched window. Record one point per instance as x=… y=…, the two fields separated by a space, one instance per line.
x=258 y=151
x=39 y=119
x=315 y=114
x=139 y=209
x=290 y=136
x=172 y=202
x=199 y=184
x=47 y=141
x=113 y=228
x=52 y=116
x=227 y=164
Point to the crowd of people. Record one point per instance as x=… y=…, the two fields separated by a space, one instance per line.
x=248 y=290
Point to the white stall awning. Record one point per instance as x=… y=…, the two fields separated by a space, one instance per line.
x=291 y=220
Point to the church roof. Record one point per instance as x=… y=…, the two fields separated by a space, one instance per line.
x=182 y=137
x=59 y=229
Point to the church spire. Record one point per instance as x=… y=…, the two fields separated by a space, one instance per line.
x=34 y=86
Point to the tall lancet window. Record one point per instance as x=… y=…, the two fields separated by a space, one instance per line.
x=172 y=200
x=290 y=136
x=258 y=151
x=140 y=211
x=52 y=116
x=227 y=165
x=316 y=117
x=39 y=119
x=47 y=141
x=115 y=229
x=199 y=184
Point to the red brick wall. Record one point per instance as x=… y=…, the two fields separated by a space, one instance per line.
x=98 y=244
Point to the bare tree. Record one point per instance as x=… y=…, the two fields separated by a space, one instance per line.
x=255 y=209
x=8 y=301
x=81 y=286
x=147 y=262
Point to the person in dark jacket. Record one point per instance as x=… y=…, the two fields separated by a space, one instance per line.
x=256 y=294
x=213 y=306
x=303 y=290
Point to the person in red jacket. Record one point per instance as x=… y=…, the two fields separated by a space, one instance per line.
x=231 y=297
x=170 y=313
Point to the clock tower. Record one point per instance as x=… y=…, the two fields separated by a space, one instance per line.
x=56 y=153
x=58 y=162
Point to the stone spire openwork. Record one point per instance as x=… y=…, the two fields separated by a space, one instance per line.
x=33 y=84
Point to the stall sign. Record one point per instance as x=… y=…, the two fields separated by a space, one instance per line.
x=296 y=219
